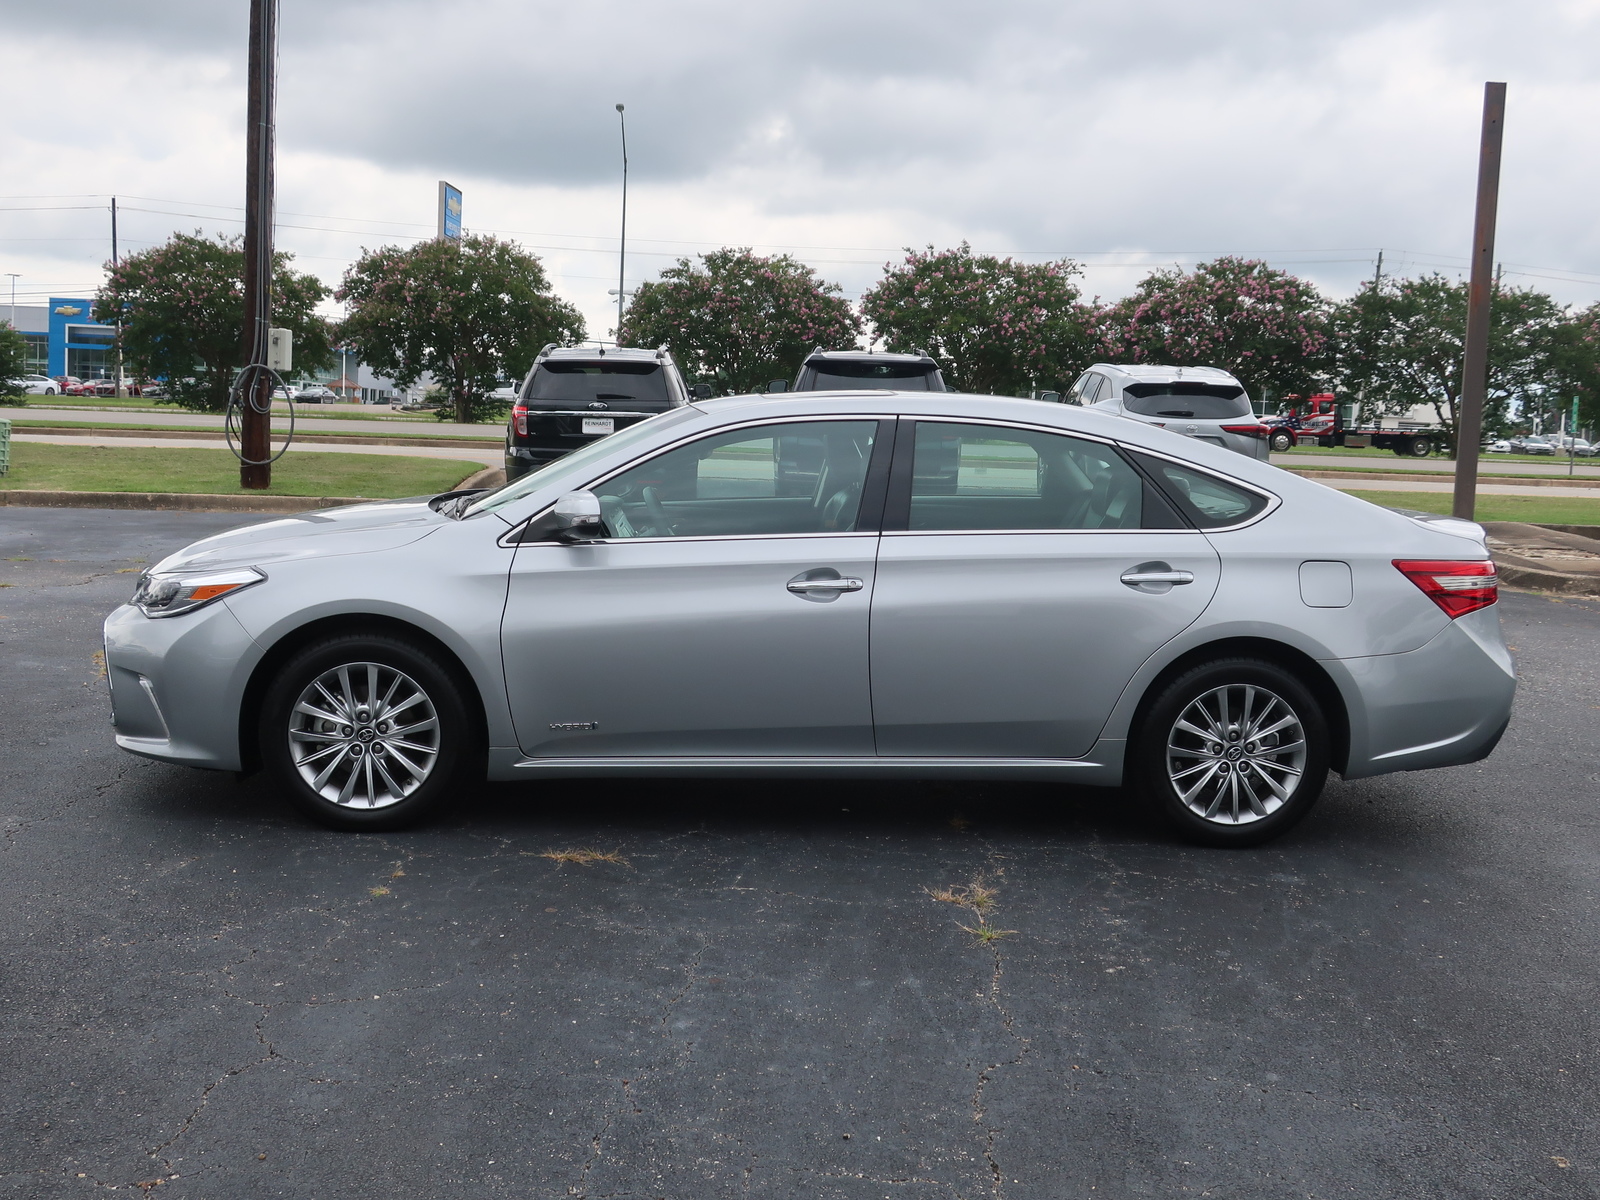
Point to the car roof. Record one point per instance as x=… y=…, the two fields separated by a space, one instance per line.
x=1159 y=373
x=866 y=356
x=625 y=353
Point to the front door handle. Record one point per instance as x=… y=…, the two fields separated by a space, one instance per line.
x=801 y=586
x=1136 y=577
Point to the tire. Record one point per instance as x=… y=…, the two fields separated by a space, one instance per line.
x=1165 y=756
x=352 y=769
x=1281 y=442
x=1420 y=447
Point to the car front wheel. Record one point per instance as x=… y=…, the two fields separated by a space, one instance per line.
x=1233 y=753
x=1281 y=442
x=366 y=733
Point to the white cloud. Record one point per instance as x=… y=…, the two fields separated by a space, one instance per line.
x=1128 y=134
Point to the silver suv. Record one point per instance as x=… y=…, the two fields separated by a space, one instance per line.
x=1201 y=402
x=862 y=370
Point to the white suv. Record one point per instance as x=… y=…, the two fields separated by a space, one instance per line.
x=1202 y=402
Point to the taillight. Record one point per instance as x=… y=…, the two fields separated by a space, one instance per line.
x=1456 y=587
x=1249 y=430
x=520 y=415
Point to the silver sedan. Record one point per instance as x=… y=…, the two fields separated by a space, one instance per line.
x=843 y=585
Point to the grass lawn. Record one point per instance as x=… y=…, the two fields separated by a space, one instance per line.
x=279 y=425
x=44 y=467
x=1400 y=461
x=1535 y=510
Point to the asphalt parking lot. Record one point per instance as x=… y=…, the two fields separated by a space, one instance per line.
x=202 y=996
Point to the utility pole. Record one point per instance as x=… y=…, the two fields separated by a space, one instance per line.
x=1377 y=276
x=622 y=252
x=13 y=277
x=1475 y=365
x=255 y=409
x=121 y=389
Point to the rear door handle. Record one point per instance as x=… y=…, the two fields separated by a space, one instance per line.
x=801 y=586
x=1135 y=578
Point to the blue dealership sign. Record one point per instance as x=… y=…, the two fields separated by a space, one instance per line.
x=449 y=212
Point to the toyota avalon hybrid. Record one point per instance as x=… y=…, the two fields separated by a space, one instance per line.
x=832 y=585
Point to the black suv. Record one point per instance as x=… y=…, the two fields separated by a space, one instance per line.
x=861 y=370
x=574 y=395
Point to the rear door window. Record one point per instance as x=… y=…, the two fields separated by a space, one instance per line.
x=967 y=477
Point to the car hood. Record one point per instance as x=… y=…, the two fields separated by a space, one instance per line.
x=353 y=529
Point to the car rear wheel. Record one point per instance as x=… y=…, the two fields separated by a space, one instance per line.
x=1282 y=442
x=366 y=733
x=1233 y=752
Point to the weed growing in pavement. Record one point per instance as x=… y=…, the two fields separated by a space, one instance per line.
x=586 y=857
x=979 y=898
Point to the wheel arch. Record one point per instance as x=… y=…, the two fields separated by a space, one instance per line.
x=292 y=642
x=1298 y=663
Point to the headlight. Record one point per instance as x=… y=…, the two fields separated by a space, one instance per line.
x=170 y=595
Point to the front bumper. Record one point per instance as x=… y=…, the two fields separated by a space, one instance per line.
x=177 y=684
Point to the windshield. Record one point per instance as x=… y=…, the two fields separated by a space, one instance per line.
x=581 y=382
x=1202 y=401
x=579 y=459
x=857 y=375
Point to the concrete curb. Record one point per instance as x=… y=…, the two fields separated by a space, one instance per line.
x=1445 y=477
x=176 y=501
x=312 y=439
x=1547 y=581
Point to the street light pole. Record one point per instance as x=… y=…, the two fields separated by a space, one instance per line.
x=13 y=276
x=622 y=251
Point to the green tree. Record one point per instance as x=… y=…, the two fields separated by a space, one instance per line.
x=1577 y=366
x=1264 y=326
x=1401 y=344
x=467 y=313
x=13 y=365
x=181 y=305
x=738 y=320
x=995 y=325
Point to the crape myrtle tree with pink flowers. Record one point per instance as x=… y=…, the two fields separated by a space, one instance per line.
x=1264 y=326
x=181 y=305
x=995 y=325
x=737 y=320
x=469 y=313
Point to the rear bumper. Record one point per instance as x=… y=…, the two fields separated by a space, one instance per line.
x=1442 y=705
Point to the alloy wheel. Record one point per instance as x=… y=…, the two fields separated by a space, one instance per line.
x=1236 y=754
x=363 y=735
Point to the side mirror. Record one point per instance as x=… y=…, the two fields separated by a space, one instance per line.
x=1050 y=397
x=701 y=391
x=777 y=385
x=577 y=517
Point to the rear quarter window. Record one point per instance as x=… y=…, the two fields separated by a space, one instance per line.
x=1208 y=502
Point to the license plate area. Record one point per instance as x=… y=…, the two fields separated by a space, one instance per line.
x=599 y=424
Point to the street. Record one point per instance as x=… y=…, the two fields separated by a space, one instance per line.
x=761 y=995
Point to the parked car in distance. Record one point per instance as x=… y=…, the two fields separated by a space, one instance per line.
x=863 y=370
x=37 y=385
x=316 y=394
x=71 y=385
x=770 y=587
x=1576 y=446
x=1199 y=402
x=574 y=395
x=1532 y=444
x=1498 y=447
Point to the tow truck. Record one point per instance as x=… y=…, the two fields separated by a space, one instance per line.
x=1322 y=423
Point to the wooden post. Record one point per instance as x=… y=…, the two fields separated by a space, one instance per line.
x=1475 y=366
x=255 y=420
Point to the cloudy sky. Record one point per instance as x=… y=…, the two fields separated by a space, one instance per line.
x=1124 y=135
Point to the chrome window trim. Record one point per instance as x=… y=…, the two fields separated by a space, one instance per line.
x=706 y=537
x=1043 y=532
x=508 y=539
